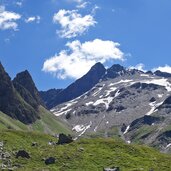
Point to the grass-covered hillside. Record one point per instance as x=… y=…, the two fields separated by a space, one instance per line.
x=47 y=124
x=81 y=155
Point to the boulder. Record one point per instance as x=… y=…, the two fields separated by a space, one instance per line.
x=50 y=160
x=23 y=154
x=64 y=139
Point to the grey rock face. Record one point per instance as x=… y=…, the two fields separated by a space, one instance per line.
x=130 y=101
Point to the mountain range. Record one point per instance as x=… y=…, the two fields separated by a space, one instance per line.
x=117 y=101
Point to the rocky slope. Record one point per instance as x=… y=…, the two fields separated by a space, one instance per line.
x=122 y=98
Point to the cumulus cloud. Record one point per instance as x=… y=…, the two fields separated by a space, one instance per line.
x=72 y=23
x=8 y=19
x=165 y=68
x=33 y=19
x=140 y=67
x=79 y=57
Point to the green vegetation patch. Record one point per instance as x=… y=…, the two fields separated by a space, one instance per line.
x=82 y=155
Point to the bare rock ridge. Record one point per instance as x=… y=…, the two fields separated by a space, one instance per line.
x=80 y=86
x=96 y=74
x=49 y=96
x=24 y=84
x=18 y=99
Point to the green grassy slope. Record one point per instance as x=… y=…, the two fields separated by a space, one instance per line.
x=83 y=155
x=7 y=122
x=47 y=124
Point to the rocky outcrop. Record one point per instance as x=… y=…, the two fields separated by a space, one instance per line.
x=11 y=102
x=24 y=84
x=64 y=139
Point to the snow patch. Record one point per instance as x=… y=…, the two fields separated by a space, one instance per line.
x=78 y=128
x=127 y=129
x=160 y=95
x=105 y=101
x=119 y=82
x=110 y=90
x=153 y=107
x=168 y=145
x=62 y=113
x=85 y=129
x=89 y=103
x=144 y=75
x=117 y=94
x=162 y=82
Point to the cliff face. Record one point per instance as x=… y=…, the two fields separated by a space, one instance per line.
x=24 y=84
x=15 y=99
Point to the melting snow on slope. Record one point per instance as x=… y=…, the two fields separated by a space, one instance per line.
x=160 y=95
x=153 y=107
x=162 y=82
x=119 y=82
x=127 y=129
x=105 y=101
x=144 y=75
x=110 y=90
x=85 y=129
x=89 y=103
x=117 y=94
x=78 y=128
x=62 y=112
x=168 y=145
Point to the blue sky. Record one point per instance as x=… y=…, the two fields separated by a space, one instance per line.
x=53 y=39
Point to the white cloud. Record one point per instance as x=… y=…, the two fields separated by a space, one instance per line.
x=80 y=57
x=82 y=5
x=140 y=67
x=8 y=19
x=165 y=68
x=72 y=23
x=33 y=19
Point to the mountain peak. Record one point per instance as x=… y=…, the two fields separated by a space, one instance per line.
x=11 y=103
x=114 y=71
x=162 y=74
x=117 y=68
x=98 y=65
x=24 y=80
